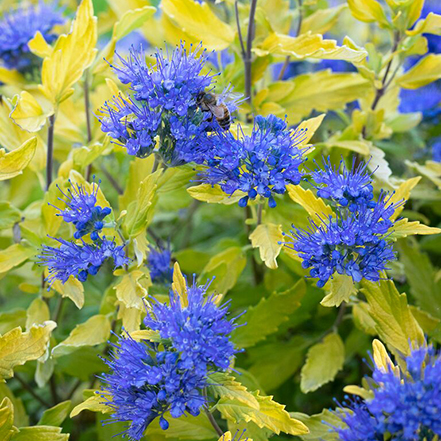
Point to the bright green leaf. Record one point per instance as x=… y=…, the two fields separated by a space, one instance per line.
x=55 y=415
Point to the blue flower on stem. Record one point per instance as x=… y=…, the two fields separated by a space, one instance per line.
x=406 y=405
x=80 y=261
x=82 y=210
x=160 y=265
x=263 y=163
x=148 y=379
x=19 y=26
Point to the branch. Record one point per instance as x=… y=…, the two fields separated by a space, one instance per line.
x=31 y=391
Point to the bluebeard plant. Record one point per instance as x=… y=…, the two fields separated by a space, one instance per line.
x=80 y=261
x=19 y=26
x=406 y=405
x=147 y=379
x=354 y=241
x=163 y=110
x=82 y=211
x=263 y=163
x=160 y=265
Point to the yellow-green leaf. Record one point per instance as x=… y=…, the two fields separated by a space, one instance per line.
x=268 y=238
x=213 y=194
x=341 y=289
x=37 y=313
x=18 y=347
x=402 y=193
x=13 y=163
x=7 y=428
x=310 y=126
x=315 y=207
x=424 y=72
x=323 y=361
x=130 y=291
x=308 y=46
x=321 y=20
x=94 y=331
x=28 y=113
x=95 y=403
x=381 y=357
x=430 y=25
x=179 y=285
x=368 y=11
x=72 y=54
x=55 y=415
x=404 y=228
x=40 y=433
x=73 y=289
x=14 y=255
x=200 y=22
x=395 y=323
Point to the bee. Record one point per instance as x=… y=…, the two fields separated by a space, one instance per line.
x=211 y=102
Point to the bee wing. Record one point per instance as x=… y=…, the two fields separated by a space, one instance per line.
x=217 y=111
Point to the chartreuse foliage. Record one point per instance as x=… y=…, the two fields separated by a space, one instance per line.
x=149 y=278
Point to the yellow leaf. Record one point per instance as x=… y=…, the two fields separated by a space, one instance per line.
x=40 y=433
x=424 y=72
x=7 y=428
x=404 y=228
x=321 y=20
x=130 y=292
x=18 y=347
x=95 y=403
x=93 y=332
x=381 y=357
x=37 y=313
x=359 y=391
x=430 y=25
x=368 y=11
x=402 y=193
x=146 y=334
x=14 y=255
x=213 y=194
x=268 y=238
x=72 y=54
x=200 y=22
x=28 y=113
x=308 y=46
x=310 y=126
x=315 y=207
x=179 y=285
x=52 y=222
x=11 y=77
x=323 y=362
x=13 y=163
x=395 y=324
x=73 y=289
x=39 y=46
x=342 y=288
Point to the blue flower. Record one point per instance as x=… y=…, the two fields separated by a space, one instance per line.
x=145 y=382
x=198 y=330
x=436 y=150
x=82 y=210
x=263 y=163
x=426 y=99
x=71 y=259
x=19 y=26
x=159 y=263
x=350 y=188
x=405 y=406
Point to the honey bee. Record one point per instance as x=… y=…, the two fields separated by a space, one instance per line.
x=211 y=102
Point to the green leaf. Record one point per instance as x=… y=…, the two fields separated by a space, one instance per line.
x=12 y=319
x=9 y=215
x=424 y=72
x=40 y=433
x=7 y=429
x=225 y=386
x=265 y=318
x=55 y=415
x=317 y=426
x=341 y=289
x=14 y=256
x=213 y=194
x=200 y=22
x=13 y=163
x=323 y=362
x=268 y=238
x=270 y=415
x=140 y=211
x=94 y=403
x=395 y=323
x=18 y=347
x=94 y=331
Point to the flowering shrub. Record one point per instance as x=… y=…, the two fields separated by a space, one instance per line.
x=216 y=216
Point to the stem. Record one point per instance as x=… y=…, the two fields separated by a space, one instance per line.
x=247 y=59
x=299 y=28
x=213 y=422
x=50 y=151
x=259 y=214
x=155 y=164
x=236 y=10
x=88 y=122
x=59 y=309
x=31 y=391
x=256 y=268
x=112 y=180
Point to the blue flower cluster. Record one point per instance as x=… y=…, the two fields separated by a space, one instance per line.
x=354 y=240
x=149 y=379
x=164 y=108
x=406 y=406
x=19 y=27
x=159 y=264
x=263 y=163
x=80 y=260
